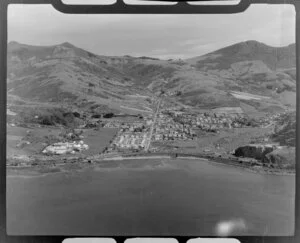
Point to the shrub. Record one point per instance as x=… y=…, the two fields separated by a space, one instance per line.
x=76 y=114
x=96 y=116
x=70 y=134
x=108 y=115
x=269 y=86
x=47 y=120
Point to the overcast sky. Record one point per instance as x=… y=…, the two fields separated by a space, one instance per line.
x=163 y=36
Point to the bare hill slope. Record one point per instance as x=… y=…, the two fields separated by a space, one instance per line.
x=65 y=73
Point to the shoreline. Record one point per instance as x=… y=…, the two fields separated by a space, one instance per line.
x=257 y=170
x=136 y=157
x=80 y=164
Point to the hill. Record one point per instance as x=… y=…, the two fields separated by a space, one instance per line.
x=250 y=75
x=255 y=68
x=273 y=57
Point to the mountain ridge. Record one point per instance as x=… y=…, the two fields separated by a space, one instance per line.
x=70 y=74
x=274 y=57
x=70 y=45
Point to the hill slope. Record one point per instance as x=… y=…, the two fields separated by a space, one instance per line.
x=254 y=67
x=273 y=57
x=68 y=74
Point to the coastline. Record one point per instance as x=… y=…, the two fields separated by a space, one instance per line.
x=253 y=169
x=258 y=170
x=136 y=157
x=93 y=162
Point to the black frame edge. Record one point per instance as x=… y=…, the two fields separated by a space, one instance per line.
x=119 y=8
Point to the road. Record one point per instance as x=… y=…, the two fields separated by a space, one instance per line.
x=153 y=125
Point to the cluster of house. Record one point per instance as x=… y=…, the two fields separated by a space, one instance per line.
x=131 y=135
x=126 y=126
x=219 y=122
x=167 y=129
x=112 y=124
x=136 y=127
x=269 y=119
x=65 y=148
x=210 y=121
x=169 y=125
x=129 y=140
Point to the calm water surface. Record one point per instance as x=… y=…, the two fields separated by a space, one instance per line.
x=158 y=197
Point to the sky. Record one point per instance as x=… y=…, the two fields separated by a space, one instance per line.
x=161 y=36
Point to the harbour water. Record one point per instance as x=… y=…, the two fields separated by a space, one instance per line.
x=150 y=197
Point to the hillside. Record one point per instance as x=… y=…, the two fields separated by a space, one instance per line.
x=229 y=77
x=273 y=57
x=285 y=130
x=254 y=67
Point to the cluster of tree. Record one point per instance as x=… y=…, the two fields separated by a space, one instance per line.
x=71 y=134
x=108 y=115
x=50 y=117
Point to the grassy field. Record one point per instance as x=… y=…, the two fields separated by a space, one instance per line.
x=39 y=138
x=98 y=140
x=225 y=141
x=247 y=96
x=189 y=146
x=228 y=140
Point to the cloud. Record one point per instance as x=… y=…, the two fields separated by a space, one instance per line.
x=151 y=35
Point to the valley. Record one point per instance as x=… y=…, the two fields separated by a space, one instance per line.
x=90 y=108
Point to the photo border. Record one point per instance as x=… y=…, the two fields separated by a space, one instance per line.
x=121 y=8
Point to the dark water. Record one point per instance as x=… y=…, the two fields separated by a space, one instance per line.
x=179 y=197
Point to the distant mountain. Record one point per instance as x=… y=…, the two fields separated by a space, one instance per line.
x=253 y=67
x=273 y=57
x=65 y=73
x=65 y=49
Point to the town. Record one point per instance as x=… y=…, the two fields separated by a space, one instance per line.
x=175 y=125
